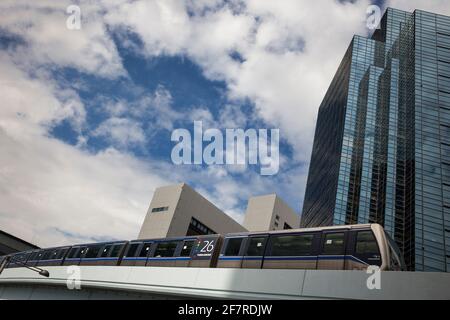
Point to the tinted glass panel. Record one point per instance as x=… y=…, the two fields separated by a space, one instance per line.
x=81 y=252
x=106 y=250
x=72 y=252
x=33 y=256
x=333 y=244
x=187 y=247
x=165 y=249
x=366 y=243
x=256 y=246
x=93 y=251
x=39 y=255
x=116 y=250
x=54 y=254
x=132 y=250
x=233 y=247
x=145 y=249
x=292 y=245
x=46 y=255
x=61 y=253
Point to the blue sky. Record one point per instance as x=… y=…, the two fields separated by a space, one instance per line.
x=88 y=114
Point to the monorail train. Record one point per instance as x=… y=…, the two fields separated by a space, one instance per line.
x=352 y=247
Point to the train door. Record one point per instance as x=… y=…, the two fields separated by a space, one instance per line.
x=32 y=259
x=129 y=258
x=164 y=254
x=142 y=254
x=58 y=256
x=184 y=253
x=116 y=253
x=332 y=251
x=91 y=255
x=254 y=252
x=45 y=258
x=232 y=253
x=74 y=255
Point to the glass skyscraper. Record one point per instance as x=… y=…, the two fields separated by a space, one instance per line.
x=381 y=150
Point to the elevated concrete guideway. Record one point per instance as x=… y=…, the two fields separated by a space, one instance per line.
x=98 y=282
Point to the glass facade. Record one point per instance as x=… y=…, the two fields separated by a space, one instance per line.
x=381 y=150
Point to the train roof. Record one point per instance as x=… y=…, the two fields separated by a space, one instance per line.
x=171 y=238
x=340 y=227
x=98 y=243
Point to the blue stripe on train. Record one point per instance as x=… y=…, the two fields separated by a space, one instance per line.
x=303 y=258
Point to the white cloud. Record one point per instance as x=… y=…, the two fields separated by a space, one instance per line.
x=289 y=50
x=42 y=25
x=34 y=105
x=53 y=193
x=47 y=185
x=121 y=131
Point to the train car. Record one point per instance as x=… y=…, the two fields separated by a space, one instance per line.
x=190 y=251
x=137 y=252
x=353 y=247
x=167 y=252
x=48 y=257
x=74 y=255
x=195 y=251
x=106 y=253
x=17 y=260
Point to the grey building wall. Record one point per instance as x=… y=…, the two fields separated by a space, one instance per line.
x=269 y=212
x=181 y=203
x=10 y=244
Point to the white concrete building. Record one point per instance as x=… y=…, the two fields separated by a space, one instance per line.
x=269 y=212
x=179 y=210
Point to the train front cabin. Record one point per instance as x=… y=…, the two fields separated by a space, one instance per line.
x=353 y=247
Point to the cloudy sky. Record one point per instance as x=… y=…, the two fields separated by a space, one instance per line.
x=86 y=115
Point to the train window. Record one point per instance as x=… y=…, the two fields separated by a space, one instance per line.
x=397 y=262
x=54 y=254
x=106 y=250
x=19 y=257
x=145 y=249
x=26 y=256
x=62 y=253
x=256 y=246
x=81 y=252
x=39 y=255
x=132 y=250
x=333 y=244
x=116 y=250
x=292 y=245
x=166 y=249
x=93 y=251
x=187 y=247
x=33 y=256
x=366 y=243
x=46 y=255
x=233 y=247
x=73 y=251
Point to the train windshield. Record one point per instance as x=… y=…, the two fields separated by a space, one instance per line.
x=397 y=262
